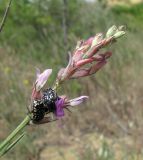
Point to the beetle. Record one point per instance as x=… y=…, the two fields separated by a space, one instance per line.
x=43 y=106
x=49 y=98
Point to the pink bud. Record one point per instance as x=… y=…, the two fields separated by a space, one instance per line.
x=42 y=79
x=89 y=41
x=84 y=61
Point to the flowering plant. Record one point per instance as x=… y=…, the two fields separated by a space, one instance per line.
x=85 y=60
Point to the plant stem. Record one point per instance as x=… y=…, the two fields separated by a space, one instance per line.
x=15 y=132
x=5 y=150
x=5 y=15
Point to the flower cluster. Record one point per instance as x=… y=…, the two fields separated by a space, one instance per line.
x=46 y=101
x=88 y=53
x=86 y=60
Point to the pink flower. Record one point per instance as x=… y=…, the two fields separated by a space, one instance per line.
x=41 y=79
x=76 y=101
x=86 y=71
x=63 y=102
x=88 y=52
x=85 y=53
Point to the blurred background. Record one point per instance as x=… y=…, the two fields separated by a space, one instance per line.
x=109 y=126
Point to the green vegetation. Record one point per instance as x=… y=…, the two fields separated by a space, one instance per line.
x=33 y=36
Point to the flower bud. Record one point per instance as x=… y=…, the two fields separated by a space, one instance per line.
x=97 y=39
x=118 y=34
x=111 y=31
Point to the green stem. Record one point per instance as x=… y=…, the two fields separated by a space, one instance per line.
x=5 y=150
x=15 y=132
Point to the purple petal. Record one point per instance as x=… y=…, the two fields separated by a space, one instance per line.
x=77 y=101
x=42 y=79
x=59 y=107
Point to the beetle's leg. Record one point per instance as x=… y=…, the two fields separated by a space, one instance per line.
x=68 y=109
x=46 y=120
